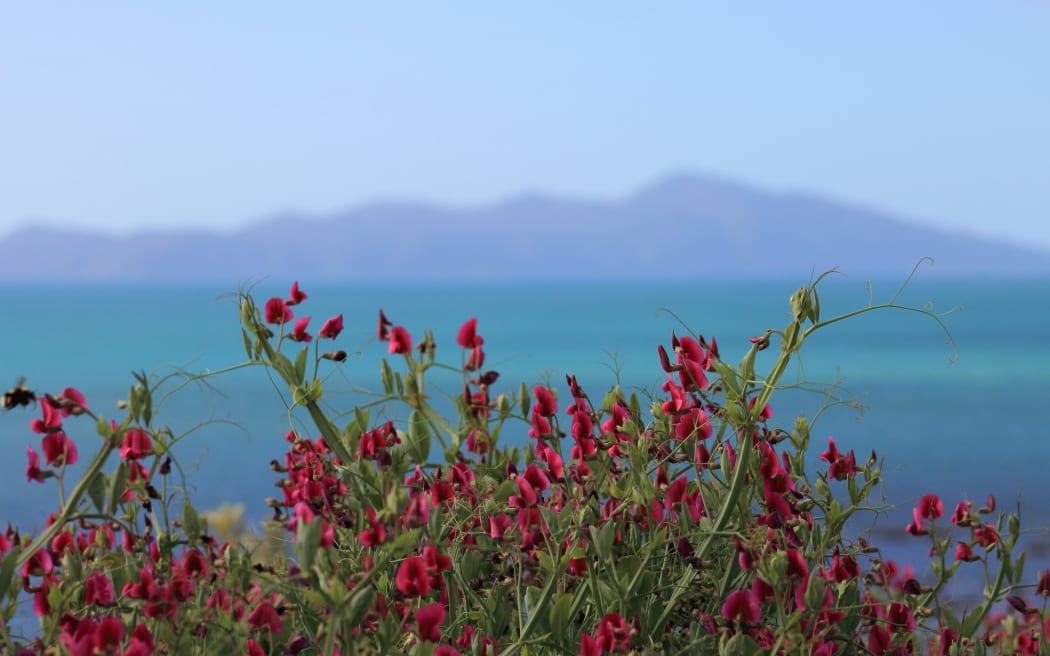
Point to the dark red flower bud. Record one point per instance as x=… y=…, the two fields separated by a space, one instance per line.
x=384 y=323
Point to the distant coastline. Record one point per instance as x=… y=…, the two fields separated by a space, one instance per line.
x=685 y=227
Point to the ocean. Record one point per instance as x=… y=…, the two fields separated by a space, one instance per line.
x=960 y=420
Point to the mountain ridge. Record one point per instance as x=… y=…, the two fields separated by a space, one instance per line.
x=683 y=226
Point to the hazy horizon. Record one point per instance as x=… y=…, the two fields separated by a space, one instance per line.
x=125 y=118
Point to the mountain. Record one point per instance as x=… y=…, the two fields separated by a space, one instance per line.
x=684 y=227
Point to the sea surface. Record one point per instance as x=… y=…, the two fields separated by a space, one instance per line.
x=960 y=419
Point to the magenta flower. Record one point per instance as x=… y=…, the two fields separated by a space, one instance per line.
x=331 y=328
x=468 y=334
x=742 y=606
x=52 y=421
x=265 y=617
x=962 y=514
x=477 y=357
x=917 y=527
x=412 y=579
x=39 y=564
x=767 y=412
x=613 y=634
x=964 y=552
x=58 y=450
x=841 y=466
x=296 y=297
x=33 y=472
x=71 y=402
x=589 y=646
x=98 y=590
x=277 y=311
x=900 y=619
x=545 y=403
x=526 y=497
x=931 y=507
x=299 y=333
x=400 y=340
x=428 y=621
x=374 y=535
x=136 y=445
x=986 y=536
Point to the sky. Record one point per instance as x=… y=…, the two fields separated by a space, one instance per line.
x=127 y=116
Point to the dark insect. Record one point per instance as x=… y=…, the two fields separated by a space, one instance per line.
x=18 y=395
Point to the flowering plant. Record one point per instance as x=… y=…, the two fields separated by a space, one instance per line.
x=521 y=521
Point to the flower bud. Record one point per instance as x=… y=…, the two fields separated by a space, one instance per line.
x=338 y=356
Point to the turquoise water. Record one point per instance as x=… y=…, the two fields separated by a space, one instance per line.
x=962 y=429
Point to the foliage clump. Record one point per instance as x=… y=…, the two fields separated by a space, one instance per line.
x=550 y=521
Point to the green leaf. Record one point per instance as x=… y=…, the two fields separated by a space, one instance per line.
x=603 y=538
x=361 y=417
x=135 y=402
x=387 y=376
x=73 y=566
x=193 y=525
x=104 y=428
x=307 y=542
x=147 y=406
x=747 y=367
x=523 y=399
x=800 y=306
x=635 y=405
x=728 y=377
x=404 y=543
x=117 y=485
x=546 y=563
x=740 y=645
x=247 y=343
x=96 y=489
x=284 y=367
x=949 y=618
x=300 y=365
x=360 y=602
x=791 y=341
x=559 y=615
x=469 y=563
x=7 y=569
x=1019 y=568
x=418 y=443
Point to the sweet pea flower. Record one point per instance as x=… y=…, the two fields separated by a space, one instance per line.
x=295 y=296
x=71 y=402
x=135 y=445
x=58 y=450
x=742 y=606
x=931 y=507
x=33 y=471
x=428 y=621
x=299 y=333
x=98 y=590
x=412 y=579
x=331 y=328
x=277 y=311
x=400 y=340
x=265 y=616
x=467 y=334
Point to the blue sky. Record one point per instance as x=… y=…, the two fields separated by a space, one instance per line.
x=128 y=116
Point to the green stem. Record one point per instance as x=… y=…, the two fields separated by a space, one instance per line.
x=69 y=510
x=737 y=483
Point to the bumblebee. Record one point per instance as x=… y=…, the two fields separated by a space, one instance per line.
x=18 y=395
